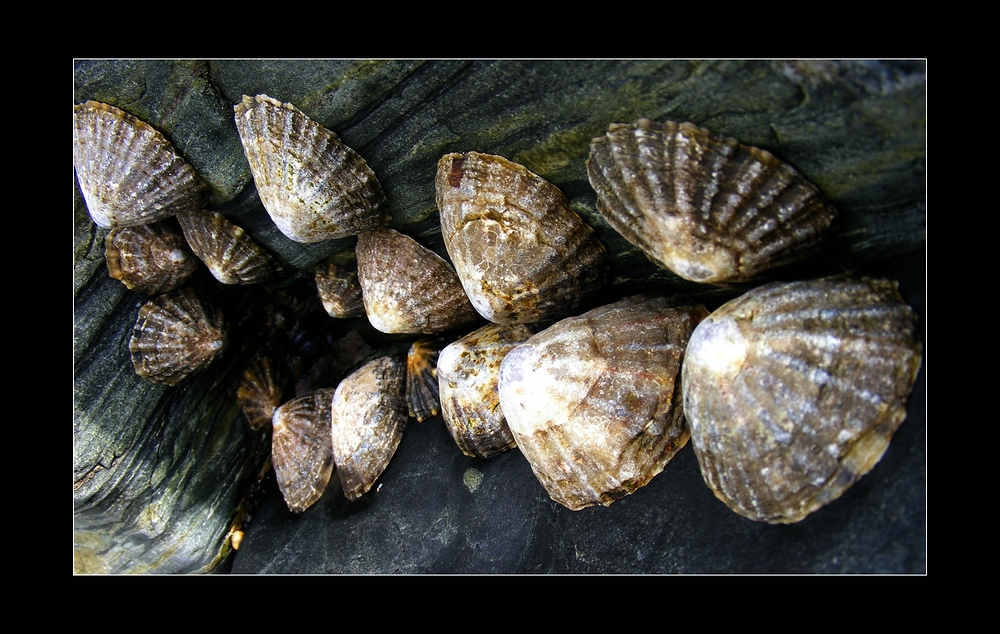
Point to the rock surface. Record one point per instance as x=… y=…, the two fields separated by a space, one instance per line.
x=163 y=474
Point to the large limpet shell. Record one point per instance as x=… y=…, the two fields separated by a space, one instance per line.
x=369 y=416
x=594 y=401
x=175 y=336
x=301 y=449
x=793 y=392
x=704 y=206
x=408 y=288
x=128 y=172
x=229 y=253
x=313 y=186
x=522 y=254
x=468 y=372
x=151 y=259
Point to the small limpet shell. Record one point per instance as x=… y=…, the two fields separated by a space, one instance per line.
x=522 y=254
x=151 y=259
x=408 y=288
x=261 y=389
x=128 y=172
x=339 y=291
x=421 y=379
x=369 y=416
x=313 y=186
x=300 y=449
x=594 y=401
x=793 y=392
x=704 y=206
x=175 y=336
x=229 y=253
x=468 y=371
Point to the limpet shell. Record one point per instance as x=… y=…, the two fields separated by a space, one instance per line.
x=301 y=449
x=261 y=389
x=313 y=186
x=408 y=288
x=151 y=259
x=468 y=371
x=369 y=416
x=128 y=172
x=793 y=392
x=594 y=401
x=339 y=291
x=422 y=398
x=704 y=206
x=229 y=253
x=175 y=336
x=522 y=254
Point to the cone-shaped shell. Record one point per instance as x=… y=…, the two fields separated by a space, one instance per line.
x=313 y=186
x=793 y=391
x=594 y=401
x=408 y=288
x=151 y=259
x=175 y=336
x=706 y=207
x=522 y=253
x=339 y=291
x=128 y=172
x=301 y=450
x=421 y=379
x=369 y=415
x=468 y=372
x=229 y=253
x=261 y=389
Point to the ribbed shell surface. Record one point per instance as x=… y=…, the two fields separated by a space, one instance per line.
x=704 y=206
x=339 y=291
x=313 y=186
x=594 y=401
x=468 y=373
x=421 y=379
x=151 y=259
x=793 y=392
x=260 y=390
x=301 y=449
x=369 y=415
x=175 y=336
x=128 y=172
x=408 y=288
x=229 y=253
x=522 y=254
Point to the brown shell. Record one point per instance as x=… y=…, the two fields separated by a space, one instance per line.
x=339 y=291
x=468 y=371
x=793 y=391
x=594 y=401
x=128 y=172
x=301 y=449
x=151 y=259
x=229 y=253
x=522 y=254
x=408 y=288
x=704 y=206
x=313 y=186
x=175 y=336
x=261 y=389
x=421 y=379
x=369 y=415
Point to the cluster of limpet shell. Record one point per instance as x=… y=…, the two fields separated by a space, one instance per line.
x=789 y=393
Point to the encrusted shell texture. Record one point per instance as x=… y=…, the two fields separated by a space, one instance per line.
x=175 y=336
x=151 y=259
x=128 y=172
x=594 y=401
x=301 y=448
x=468 y=371
x=369 y=416
x=339 y=291
x=522 y=254
x=408 y=288
x=229 y=253
x=793 y=392
x=313 y=186
x=704 y=206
